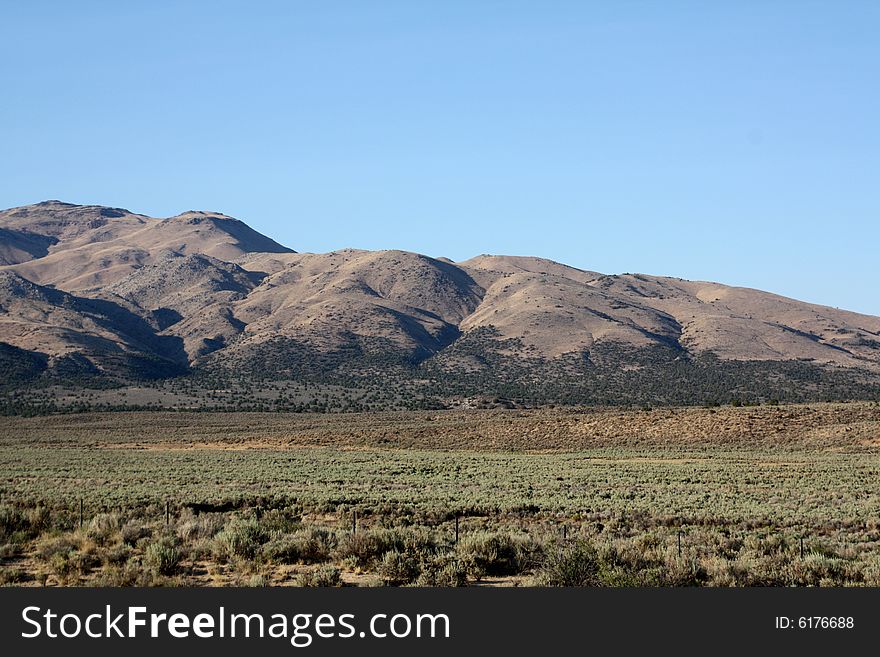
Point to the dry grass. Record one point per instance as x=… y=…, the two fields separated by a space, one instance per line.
x=849 y=425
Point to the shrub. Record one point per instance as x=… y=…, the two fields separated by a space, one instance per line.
x=102 y=527
x=133 y=531
x=766 y=546
x=128 y=574
x=241 y=539
x=398 y=568
x=282 y=549
x=13 y=576
x=282 y=521
x=163 y=557
x=12 y=523
x=576 y=564
x=49 y=546
x=315 y=544
x=682 y=572
x=442 y=570
x=257 y=581
x=312 y=545
x=321 y=577
x=60 y=564
x=200 y=527
x=820 y=570
x=497 y=554
x=202 y=549
x=65 y=560
x=117 y=555
x=366 y=549
x=18 y=526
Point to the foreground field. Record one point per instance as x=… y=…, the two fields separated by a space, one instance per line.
x=726 y=496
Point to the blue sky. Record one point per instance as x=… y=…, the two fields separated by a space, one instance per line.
x=729 y=141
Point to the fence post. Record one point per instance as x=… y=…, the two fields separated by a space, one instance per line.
x=802 y=547
x=679 y=544
x=456 y=529
x=167 y=512
x=80 y=513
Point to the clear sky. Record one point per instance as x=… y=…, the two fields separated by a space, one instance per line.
x=733 y=141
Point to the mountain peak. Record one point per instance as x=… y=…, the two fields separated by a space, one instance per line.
x=73 y=210
x=51 y=202
x=190 y=214
x=85 y=247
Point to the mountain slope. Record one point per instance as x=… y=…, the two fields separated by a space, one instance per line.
x=409 y=304
x=17 y=246
x=103 y=289
x=82 y=335
x=189 y=296
x=743 y=324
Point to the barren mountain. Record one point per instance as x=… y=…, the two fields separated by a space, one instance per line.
x=413 y=304
x=553 y=315
x=190 y=296
x=80 y=334
x=96 y=246
x=494 y=265
x=744 y=324
x=102 y=286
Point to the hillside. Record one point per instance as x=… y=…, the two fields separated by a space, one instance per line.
x=106 y=297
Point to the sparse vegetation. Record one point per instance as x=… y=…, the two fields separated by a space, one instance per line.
x=721 y=496
x=283 y=376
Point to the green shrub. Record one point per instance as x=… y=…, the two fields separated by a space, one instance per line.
x=241 y=539
x=766 y=546
x=281 y=521
x=683 y=572
x=258 y=581
x=67 y=561
x=60 y=563
x=312 y=545
x=497 y=554
x=163 y=557
x=49 y=546
x=366 y=549
x=196 y=528
x=324 y=576
x=282 y=549
x=442 y=570
x=399 y=568
x=130 y=573
x=575 y=564
x=315 y=544
x=13 y=576
x=820 y=570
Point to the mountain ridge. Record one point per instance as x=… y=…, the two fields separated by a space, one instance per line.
x=200 y=291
